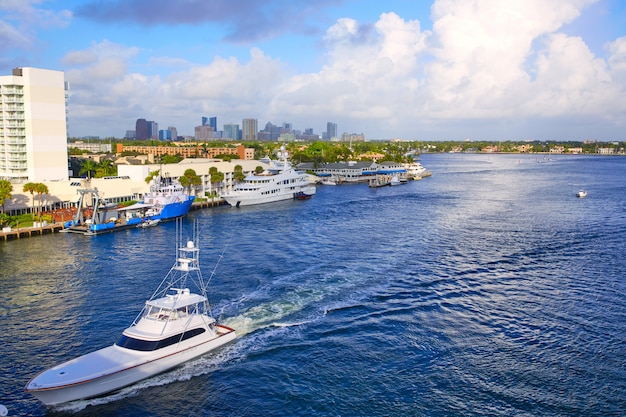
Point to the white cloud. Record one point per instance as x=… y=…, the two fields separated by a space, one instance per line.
x=21 y=19
x=484 y=60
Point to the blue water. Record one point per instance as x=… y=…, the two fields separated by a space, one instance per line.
x=488 y=289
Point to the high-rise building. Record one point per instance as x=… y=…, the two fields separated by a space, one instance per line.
x=141 y=130
x=204 y=132
x=231 y=131
x=331 y=131
x=205 y=121
x=250 y=129
x=213 y=123
x=173 y=132
x=165 y=135
x=153 y=130
x=33 y=125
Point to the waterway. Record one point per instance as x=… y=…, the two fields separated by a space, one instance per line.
x=488 y=289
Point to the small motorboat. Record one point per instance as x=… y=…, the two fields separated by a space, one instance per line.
x=581 y=194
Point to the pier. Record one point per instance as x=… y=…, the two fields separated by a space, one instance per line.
x=19 y=232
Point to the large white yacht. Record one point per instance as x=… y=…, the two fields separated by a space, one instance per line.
x=174 y=326
x=280 y=181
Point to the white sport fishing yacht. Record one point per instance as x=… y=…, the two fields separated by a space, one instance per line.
x=174 y=326
x=278 y=182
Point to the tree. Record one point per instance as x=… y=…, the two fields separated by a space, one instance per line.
x=5 y=192
x=106 y=168
x=151 y=176
x=40 y=189
x=238 y=174
x=31 y=187
x=190 y=179
x=87 y=167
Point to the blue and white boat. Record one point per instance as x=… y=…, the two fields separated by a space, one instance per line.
x=166 y=200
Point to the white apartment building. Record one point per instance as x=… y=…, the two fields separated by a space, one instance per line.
x=33 y=126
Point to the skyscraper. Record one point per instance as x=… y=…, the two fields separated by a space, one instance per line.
x=231 y=131
x=250 y=129
x=141 y=130
x=33 y=125
x=331 y=130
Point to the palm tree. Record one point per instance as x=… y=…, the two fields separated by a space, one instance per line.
x=106 y=168
x=190 y=179
x=87 y=167
x=238 y=174
x=216 y=178
x=151 y=176
x=5 y=192
x=31 y=187
x=40 y=189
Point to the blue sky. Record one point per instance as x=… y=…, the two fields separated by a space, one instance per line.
x=411 y=69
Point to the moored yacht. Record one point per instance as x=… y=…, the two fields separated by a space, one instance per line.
x=280 y=181
x=174 y=326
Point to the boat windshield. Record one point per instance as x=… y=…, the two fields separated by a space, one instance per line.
x=151 y=345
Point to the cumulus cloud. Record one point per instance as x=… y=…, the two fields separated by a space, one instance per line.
x=485 y=62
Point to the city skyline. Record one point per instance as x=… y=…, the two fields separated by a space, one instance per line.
x=434 y=70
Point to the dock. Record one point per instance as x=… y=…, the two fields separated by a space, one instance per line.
x=19 y=232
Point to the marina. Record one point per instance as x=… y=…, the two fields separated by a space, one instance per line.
x=489 y=290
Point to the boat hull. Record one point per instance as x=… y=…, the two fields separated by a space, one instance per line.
x=116 y=379
x=240 y=199
x=174 y=210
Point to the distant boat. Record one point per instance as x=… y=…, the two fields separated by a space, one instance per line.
x=581 y=194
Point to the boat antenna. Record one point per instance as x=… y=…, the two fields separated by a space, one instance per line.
x=219 y=259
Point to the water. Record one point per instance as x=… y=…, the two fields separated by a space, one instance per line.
x=488 y=289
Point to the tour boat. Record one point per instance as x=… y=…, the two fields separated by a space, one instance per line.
x=278 y=182
x=174 y=326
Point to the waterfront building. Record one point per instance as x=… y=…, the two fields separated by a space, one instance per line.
x=33 y=125
x=351 y=171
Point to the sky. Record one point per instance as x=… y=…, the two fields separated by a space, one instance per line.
x=408 y=69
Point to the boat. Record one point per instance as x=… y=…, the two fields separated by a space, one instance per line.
x=280 y=181
x=305 y=193
x=166 y=200
x=174 y=326
x=395 y=180
x=416 y=171
x=149 y=223
x=581 y=194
